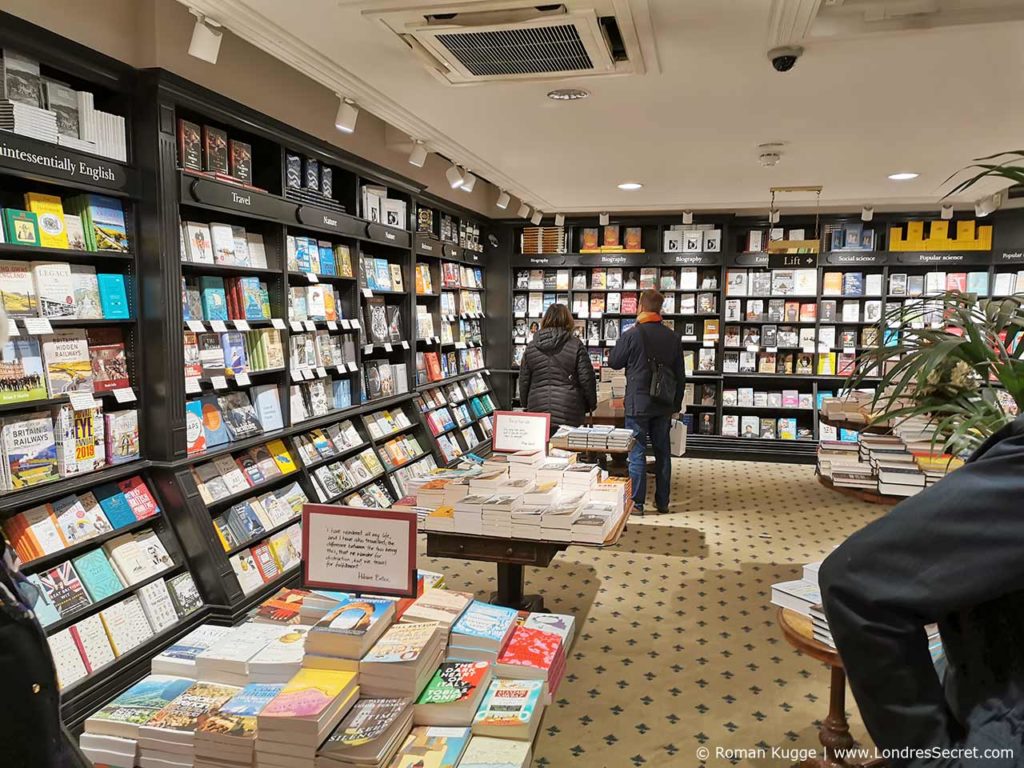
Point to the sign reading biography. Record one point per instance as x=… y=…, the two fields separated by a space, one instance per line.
x=238 y=199
x=613 y=259
x=521 y=431
x=324 y=218
x=22 y=153
x=691 y=259
x=549 y=260
x=361 y=550
x=387 y=235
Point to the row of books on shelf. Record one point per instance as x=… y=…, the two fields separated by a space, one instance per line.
x=223 y=244
x=775 y=282
x=386 y=422
x=215 y=419
x=466 y=301
x=383 y=321
x=76 y=518
x=268 y=560
x=378 y=207
x=44 y=447
x=316 y=302
x=463 y=233
x=783 y=336
x=461 y=276
x=333 y=479
x=617 y=279
x=89 y=645
x=1007 y=283
x=378 y=274
x=320 y=349
x=447 y=417
x=210 y=297
x=229 y=475
x=759 y=240
x=382 y=379
x=47 y=109
x=61 y=291
x=318 y=257
x=69 y=360
x=208 y=150
x=455 y=392
x=464 y=440
x=765 y=428
x=826 y=310
x=469 y=330
x=232 y=352
x=435 y=366
x=320 y=397
x=252 y=518
x=401 y=450
x=327 y=442
x=404 y=687
x=935 y=283
x=309 y=179
x=783 y=363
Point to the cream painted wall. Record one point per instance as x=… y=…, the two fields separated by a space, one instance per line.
x=156 y=33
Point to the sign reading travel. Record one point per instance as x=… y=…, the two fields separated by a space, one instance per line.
x=521 y=431
x=360 y=550
x=239 y=199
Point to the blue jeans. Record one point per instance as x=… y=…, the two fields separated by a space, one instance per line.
x=653 y=429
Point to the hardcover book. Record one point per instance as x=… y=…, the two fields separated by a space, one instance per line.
x=21 y=371
x=54 y=289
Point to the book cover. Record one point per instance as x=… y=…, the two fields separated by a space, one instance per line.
x=195 y=434
x=237 y=717
x=17 y=289
x=353 y=616
x=214 y=428
x=401 y=643
x=113 y=298
x=309 y=693
x=239 y=415
x=139 y=497
x=64 y=589
x=114 y=505
x=489 y=752
x=215 y=306
x=30 y=451
x=121 y=431
x=190 y=145
x=54 y=289
x=143 y=700
x=108 y=230
x=366 y=722
x=432 y=747
x=455 y=681
x=21 y=371
x=49 y=213
x=509 y=703
x=215 y=150
x=186 y=710
x=107 y=358
x=97 y=575
x=79 y=520
x=21 y=227
x=184 y=594
x=531 y=648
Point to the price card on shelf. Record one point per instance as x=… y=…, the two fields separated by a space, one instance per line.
x=296 y=374
x=849 y=350
x=367 y=293
x=520 y=431
x=196 y=326
x=610 y=342
x=82 y=401
x=405 y=344
x=807 y=349
x=753 y=348
x=12 y=327
x=478 y=315
x=523 y=314
x=241 y=325
x=218 y=326
x=331 y=325
x=38 y=326
x=596 y=315
x=387 y=346
x=192 y=385
x=771 y=350
x=352 y=367
x=307 y=374
x=219 y=382
x=312 y=277
x=460 y=345
x=688 y=338
x=242 y=379
x=297 y=326
x=278 y=323
x=321 y=372
x=708 y=343
x=368 y=349
x=309 y=325
x=124 y=395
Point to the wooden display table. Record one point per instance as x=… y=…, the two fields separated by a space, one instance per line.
x=881 y=429
x=834 y=732
x=511 y=555
x=863 y=494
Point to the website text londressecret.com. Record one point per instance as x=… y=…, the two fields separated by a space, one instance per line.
x=853 y=754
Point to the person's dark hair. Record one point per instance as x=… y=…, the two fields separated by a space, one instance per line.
x=557 y=316
x=651 y=300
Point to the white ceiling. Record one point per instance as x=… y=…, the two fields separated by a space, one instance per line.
x=857 y=107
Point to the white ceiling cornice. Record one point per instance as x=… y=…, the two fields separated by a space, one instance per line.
x=256 y=29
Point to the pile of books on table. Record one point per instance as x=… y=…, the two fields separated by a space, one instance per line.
x=440 y=680
x=600 y=437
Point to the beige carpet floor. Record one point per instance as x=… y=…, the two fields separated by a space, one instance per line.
x=677 y=646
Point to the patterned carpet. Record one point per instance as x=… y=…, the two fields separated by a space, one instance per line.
x=677 y=646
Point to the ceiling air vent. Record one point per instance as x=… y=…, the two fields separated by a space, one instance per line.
x=503 y=41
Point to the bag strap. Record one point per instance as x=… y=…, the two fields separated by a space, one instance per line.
x=651 y=361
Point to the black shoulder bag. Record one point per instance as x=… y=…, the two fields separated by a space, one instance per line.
x=663 y=378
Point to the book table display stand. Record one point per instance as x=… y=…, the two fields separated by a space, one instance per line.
x=863 y=494
x=511 y=555
x=834 y=732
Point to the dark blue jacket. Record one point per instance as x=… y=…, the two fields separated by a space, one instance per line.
x=664 y=346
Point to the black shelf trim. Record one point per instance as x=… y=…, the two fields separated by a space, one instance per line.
x=10 y=250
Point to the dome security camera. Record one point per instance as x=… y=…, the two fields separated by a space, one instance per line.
x=784 y=58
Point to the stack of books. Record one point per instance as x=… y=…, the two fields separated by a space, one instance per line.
x=369 y=736
x=302 y=715
x=441 y=747
x=179 y=659
x=452 y=697
x=511 y=709
x=441 y=605
x=28 y=120
x=403 y=660
x=526 y=522
x=347 y=631
x=227 y=737
x=281 y=658
x=226 y=661
x=595 y=522
x=533 y=654
x=558 y=520
x=600 y=438
x=168 y=737
x=799 y=595
x=486 y=751
x=481 y=632
x=560 y=624
x=842 y=457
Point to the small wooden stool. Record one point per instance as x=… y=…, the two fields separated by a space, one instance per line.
x=834 y=732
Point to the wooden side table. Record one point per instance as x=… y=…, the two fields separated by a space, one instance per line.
x=834 y=732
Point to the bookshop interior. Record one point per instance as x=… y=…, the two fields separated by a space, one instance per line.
x=498 y=384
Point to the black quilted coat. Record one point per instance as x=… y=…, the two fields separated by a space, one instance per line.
x=557 y=377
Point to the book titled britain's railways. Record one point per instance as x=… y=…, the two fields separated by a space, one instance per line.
x=29 y=451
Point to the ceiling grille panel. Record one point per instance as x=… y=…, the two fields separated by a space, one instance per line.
x=533 y=50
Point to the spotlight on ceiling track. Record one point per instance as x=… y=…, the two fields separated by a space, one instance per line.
x=469 y=182
x=418 y=156
x=687 y=217
x=604 y=218
x=867 y=213
x=774 y=215
x=348 y=113
x=986 y=205
x=206 y=37
x=537 y=218
x=504 y=198
x=524 y=211
x=559 y=219
x=454 y=176
x=946 y=212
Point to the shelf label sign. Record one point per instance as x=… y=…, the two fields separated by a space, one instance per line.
x=359 y=550
x=233 y=198
x=521 y=431
x=23 y=153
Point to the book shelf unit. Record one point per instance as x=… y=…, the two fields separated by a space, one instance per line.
x=458 y=414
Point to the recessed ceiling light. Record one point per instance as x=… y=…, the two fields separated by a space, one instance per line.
x=568 y=94
x=903 y=176
x=630 y=185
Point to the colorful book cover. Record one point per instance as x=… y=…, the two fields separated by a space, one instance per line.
x=309 y=693
x=97 y=574
x=21 y=371
x=432 y=747
x=184 y=712
x=531 y=648
x=108 y=224
x=233 y=343
x=87 y=292
x=367 y=721
x=454 y=681
x=22 y=227
x=17 y=289
x=213 y=422
x=113 y=297
x=139 y=498
x=143 y=700
x=121 y=430
x=237 y=716
x=486 y=621
x=215 y=304
x=30 y=450
x=488 y=752
x=353 y=615
x=401 y=643
x=64 y=589
x=195 y=434
x=77 y=522
x=68 y=366
x=108 y=359
x=114 y=505
x=509 y=703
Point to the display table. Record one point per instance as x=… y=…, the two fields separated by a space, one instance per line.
x=880 y=429
x=863 y=494
x=511 y=555
x=834 y=732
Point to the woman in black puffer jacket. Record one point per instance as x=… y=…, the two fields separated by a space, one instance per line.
x=556 y=375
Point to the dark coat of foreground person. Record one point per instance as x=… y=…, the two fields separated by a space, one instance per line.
x=953 y=554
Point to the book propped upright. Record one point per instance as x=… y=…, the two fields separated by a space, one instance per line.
x=348 y=630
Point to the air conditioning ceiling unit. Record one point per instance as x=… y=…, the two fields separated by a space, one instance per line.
x=509 y=40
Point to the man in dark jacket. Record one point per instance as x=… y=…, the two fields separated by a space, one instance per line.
x=951 y=555
x=650 y=421
x=556 y=375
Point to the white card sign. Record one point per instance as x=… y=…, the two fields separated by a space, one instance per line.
x=359 y=550
x=196 y=326
x=242 y=379
x=521 y=431
x=278 y=323
x=219 y=382
x=124 y=395
x=82 y=401
x=218 y=326
x=192 y=385
x=331 y=325
x=38 y=326
x=241 y=325
x=312 y=277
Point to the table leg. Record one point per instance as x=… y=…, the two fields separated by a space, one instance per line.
x=834 y=732
x=511 y=580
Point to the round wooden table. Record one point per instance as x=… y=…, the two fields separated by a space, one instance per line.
x=834 y=732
